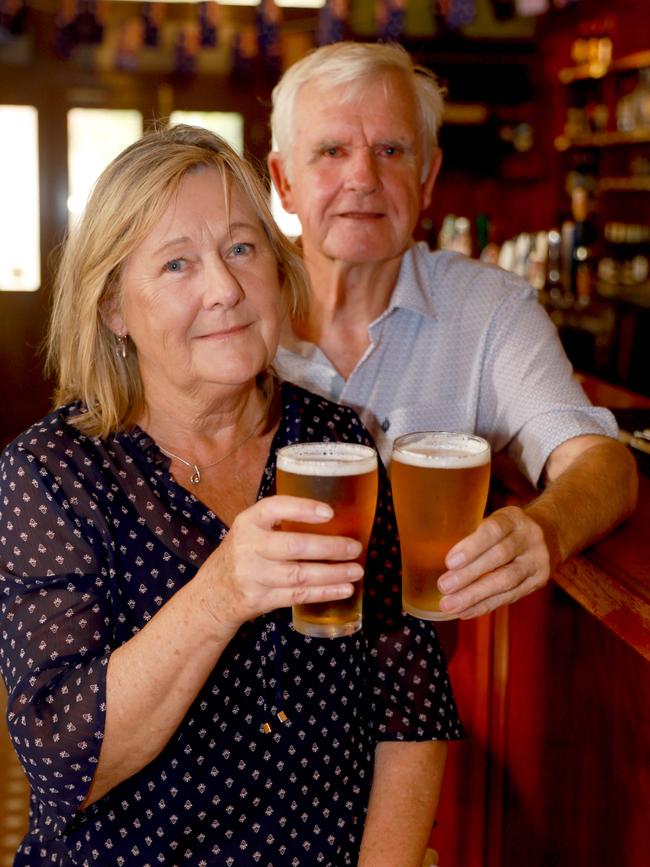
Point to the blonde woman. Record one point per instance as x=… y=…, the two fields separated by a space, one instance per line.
x=163 y=707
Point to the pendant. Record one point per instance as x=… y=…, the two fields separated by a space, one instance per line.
x=195 y=478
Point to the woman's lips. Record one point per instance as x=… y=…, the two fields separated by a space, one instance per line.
x=224 y=333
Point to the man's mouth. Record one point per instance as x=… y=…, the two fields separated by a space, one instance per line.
x=361 y=215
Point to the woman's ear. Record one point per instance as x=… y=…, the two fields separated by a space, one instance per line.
x=110 y=310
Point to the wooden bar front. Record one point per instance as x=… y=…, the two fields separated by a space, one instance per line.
x=554 y=692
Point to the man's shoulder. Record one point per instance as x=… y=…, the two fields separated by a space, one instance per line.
x=450 y=278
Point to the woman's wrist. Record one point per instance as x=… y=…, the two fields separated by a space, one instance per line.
x=216 y=616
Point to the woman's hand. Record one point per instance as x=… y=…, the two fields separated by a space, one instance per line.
x=259 y=567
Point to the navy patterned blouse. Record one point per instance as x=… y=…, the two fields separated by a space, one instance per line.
x=95 y=537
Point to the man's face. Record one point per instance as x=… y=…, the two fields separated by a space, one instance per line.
x=356 y=171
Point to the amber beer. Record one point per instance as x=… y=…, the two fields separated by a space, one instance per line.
x=440 y=486
x=345 y=476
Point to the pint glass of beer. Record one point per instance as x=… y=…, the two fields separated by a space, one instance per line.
x=440 y=485
x=344 y=475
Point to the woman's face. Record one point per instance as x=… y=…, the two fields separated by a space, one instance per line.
x=200 y=296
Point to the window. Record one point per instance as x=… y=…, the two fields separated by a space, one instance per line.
x=20 y=259
x=227 y=124
x=95 y=137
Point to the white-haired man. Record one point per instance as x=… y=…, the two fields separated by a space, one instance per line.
x=416 y=340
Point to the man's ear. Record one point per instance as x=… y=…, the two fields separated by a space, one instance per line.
x=426 y=187
x=280 y=180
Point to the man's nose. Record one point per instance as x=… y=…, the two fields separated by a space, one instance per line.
x=363 y=173
x=222 y=286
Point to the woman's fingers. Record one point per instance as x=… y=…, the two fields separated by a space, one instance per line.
x=271 y=511
x=284 y=545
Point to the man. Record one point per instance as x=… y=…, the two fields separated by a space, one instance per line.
x=417 y=340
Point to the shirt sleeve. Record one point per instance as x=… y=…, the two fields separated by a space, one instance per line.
x=530 y=401
x=408 y=690
x=55 y=636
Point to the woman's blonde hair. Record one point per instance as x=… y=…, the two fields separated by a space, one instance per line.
x=353 y=64
x=128 y=199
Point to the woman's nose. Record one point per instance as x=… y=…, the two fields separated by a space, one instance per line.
x=222 y=287
x=362 y=171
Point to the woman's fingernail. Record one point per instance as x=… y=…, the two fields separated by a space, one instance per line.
x=354 y=548
x=455 y=560
x=324 y=511
x=447 y=584
x=354 y=571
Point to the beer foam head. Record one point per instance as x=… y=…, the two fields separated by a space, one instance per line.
x=442 y=450
x=327 y=459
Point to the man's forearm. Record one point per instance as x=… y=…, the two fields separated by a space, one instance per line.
x=403 y=802
x=587 y=495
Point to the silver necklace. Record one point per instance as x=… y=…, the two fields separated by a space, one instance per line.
x=195 y=476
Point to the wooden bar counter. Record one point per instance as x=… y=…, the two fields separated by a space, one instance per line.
x=554 y=692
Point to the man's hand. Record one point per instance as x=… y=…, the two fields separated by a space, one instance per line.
x=591 y=487
x=508 y=553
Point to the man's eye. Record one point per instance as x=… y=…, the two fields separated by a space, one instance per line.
x=332 y=151
x=391 y=150
x=174 y=266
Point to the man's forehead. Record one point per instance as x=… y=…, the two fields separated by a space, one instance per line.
x=346 y=107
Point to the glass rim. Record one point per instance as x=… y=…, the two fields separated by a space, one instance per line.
x=407 y=444
x=351 y=458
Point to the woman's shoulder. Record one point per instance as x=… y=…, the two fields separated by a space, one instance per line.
x=318 y=417
x=52 y=436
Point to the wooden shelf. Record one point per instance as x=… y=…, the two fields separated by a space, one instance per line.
x=629 y=185
x=603 y=140
x=596 y=69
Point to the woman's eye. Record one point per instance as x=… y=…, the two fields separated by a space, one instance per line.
x=174 y=266
x=241 y=249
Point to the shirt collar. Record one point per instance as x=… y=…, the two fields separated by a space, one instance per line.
x=413 y=288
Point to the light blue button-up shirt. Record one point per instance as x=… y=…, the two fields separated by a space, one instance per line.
x=462 y=346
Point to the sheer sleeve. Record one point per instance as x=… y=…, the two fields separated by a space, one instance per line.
x=55 y=636
x=409 y=690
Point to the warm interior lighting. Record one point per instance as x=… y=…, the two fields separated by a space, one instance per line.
x=227 y=124
x=288 y=223
x=20 y=260
x=301 y=4
x=95 y=137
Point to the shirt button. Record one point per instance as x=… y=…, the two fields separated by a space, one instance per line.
x=385 y=425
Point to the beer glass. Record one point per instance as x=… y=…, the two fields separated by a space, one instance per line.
x=440 y=485
x=344 y=475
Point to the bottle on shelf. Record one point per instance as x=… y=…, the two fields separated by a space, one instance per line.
x=553 y=286
x=582 y=265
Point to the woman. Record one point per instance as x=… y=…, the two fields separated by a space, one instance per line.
x=163 y=707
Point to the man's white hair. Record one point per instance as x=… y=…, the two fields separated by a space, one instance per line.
x=354 y=64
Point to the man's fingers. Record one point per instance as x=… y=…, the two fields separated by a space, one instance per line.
x=489 y=532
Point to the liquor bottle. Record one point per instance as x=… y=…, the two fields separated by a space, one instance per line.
x=583 y=269
x=554 y=287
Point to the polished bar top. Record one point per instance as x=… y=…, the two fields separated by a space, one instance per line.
x=612 y=578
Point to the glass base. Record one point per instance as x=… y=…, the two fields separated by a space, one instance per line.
x=423 y=614
x=326 y=630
